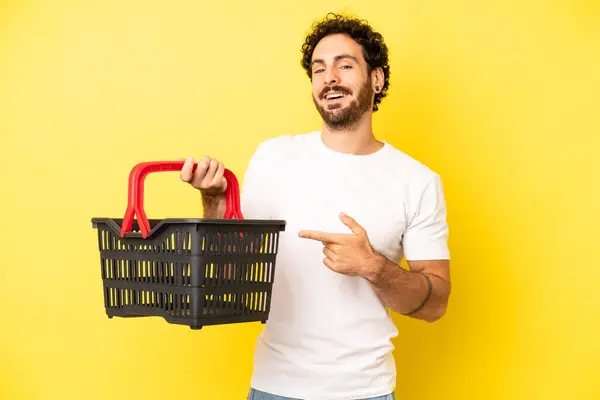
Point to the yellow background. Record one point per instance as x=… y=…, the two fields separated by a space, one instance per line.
x=502 y=98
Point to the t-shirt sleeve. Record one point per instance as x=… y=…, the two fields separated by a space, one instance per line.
x=426 y=236
x=255 y=196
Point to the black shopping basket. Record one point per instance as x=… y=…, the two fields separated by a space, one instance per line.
x=190 y=271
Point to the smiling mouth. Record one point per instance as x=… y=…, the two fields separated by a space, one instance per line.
x=334 y=96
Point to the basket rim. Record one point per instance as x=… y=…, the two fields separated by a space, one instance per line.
x=115 y=223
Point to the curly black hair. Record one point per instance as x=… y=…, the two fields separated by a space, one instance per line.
x=374 y=48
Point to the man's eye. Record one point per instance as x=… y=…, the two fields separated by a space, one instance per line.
x=317 y=71
x=346 y=66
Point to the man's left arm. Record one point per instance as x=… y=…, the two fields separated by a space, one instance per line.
x=424 y=290
x=421 y=293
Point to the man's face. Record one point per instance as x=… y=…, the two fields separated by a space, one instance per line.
x=341 y=85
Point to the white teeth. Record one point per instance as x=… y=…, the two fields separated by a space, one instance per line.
x=334 y=96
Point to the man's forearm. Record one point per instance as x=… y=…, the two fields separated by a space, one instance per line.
x=404 y=291
x=214 y=206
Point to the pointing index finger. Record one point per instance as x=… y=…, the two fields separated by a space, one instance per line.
x=321 y=236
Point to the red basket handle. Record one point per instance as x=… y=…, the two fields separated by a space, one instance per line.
x=135 y=198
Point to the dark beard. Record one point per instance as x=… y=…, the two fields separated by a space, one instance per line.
x=347 y=117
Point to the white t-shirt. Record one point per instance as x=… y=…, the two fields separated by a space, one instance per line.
x=328 y=335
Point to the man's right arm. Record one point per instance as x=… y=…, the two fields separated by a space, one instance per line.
x=209 y=180
x=214 y=206
x=257 y=188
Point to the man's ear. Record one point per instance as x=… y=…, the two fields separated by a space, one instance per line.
x=378 y=79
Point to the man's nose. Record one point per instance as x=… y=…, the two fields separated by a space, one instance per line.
x=331 y=77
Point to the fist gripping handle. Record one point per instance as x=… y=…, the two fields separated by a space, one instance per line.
x=135 y=198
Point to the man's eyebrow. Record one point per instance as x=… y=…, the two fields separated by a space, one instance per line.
x=337 y=58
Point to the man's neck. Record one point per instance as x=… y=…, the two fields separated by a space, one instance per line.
x=357 y=140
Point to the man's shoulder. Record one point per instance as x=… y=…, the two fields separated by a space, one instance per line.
x=409 y=166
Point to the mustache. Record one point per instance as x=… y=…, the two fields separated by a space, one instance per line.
x=339 y=89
